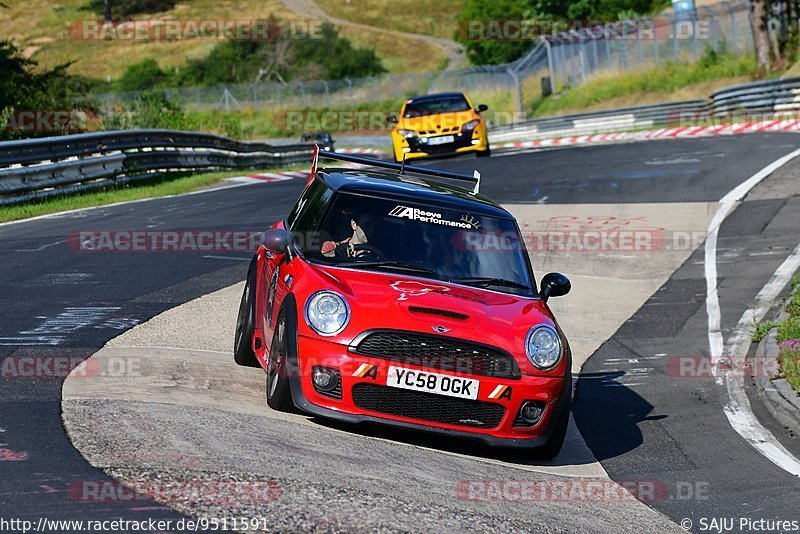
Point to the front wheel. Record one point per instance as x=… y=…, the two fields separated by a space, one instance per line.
x=484 y=153
x=245 y=323
x=550 y=450
x=279 y=394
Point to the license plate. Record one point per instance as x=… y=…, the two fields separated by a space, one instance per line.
x=441 y=140
x=452 y=386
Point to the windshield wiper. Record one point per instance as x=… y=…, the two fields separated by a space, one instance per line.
x=400 y=266
x=484 y=281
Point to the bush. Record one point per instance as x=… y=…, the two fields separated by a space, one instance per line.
x=143 y=76
x=330 y=56
x=155 y=110
x=25 y=87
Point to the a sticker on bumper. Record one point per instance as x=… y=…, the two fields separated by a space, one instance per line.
x=366 y=370
x=501 y=392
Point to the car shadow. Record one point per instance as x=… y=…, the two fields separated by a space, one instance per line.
x=609 y=414
x=613 y=432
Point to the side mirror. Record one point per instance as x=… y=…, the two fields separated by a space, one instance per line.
x=277 y=241
x=554 y=285
x=391 y=119
x=482 y=108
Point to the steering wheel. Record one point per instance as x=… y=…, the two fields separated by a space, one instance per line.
x=368 y=251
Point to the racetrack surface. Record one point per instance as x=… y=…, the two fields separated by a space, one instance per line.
x=59 y=301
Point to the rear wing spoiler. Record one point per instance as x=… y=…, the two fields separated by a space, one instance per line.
x=475 y=179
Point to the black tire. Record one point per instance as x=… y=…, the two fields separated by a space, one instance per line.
x=279 y=393
x=550 y=450
x=484 y=153
x=245 y=323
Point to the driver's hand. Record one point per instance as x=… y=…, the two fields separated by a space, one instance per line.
x=328 y=247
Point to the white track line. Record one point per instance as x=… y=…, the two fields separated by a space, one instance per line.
x=737 y=409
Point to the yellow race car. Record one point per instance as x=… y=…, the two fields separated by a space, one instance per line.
x=444 y=123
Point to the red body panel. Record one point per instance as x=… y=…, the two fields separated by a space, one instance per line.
x=381 y=300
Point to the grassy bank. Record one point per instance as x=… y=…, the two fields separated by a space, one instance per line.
x=50 y=32
x=158 y=187
x=669 y=81
x=789 y=338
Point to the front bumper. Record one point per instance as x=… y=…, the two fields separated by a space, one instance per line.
x=553 y=391
x=463 y=142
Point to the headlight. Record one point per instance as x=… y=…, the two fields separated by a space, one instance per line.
x=471 y=125
x=408 y=134
x=543 y=347
x=327 y=313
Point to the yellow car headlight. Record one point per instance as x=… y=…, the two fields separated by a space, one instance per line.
x=471 y=125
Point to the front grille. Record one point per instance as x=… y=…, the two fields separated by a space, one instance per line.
x=438 y=353
x=427 y=406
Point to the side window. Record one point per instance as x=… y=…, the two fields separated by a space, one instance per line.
x=312 y=200
x=306 y=214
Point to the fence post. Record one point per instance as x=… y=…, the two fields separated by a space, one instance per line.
x=639 y=50
x=655 y=50
x=327 y=94
x=675 y=52
x=732 y=13
x=255 y=96
x=549 y=49
x=518 y=90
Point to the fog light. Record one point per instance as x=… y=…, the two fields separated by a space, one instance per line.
x=325 y=379
x=530 y=413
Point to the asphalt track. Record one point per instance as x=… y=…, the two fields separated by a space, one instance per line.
x=59 y=301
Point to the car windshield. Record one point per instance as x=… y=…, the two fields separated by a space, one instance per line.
x=432 y=106
x=418 y=240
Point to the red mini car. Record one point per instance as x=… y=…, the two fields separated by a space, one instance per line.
x=390 y=295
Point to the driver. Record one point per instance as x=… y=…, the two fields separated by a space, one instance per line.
x=346 y=247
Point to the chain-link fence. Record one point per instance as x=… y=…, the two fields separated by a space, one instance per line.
x=565 y=59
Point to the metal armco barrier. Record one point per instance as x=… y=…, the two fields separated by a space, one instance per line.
x=38 y=168
x=768 y=97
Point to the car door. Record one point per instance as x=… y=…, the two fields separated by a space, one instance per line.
x=302 y=221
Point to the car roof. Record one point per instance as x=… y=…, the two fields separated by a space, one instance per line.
x=434 y=96
x=410 y=187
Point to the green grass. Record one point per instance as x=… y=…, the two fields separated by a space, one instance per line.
x=789 y=338
x=669 y=81
x=430 y=17
x=159 y=187
x=760 y=330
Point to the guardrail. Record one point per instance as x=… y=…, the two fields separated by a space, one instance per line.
x=38 y=168
x=628 y=118
x=770 y=96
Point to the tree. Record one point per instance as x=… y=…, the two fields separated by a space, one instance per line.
x=107 y=10
x=490 y=49
x=758 y=22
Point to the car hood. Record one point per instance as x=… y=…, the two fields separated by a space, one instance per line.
x=440 y=122
x=393 y=301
